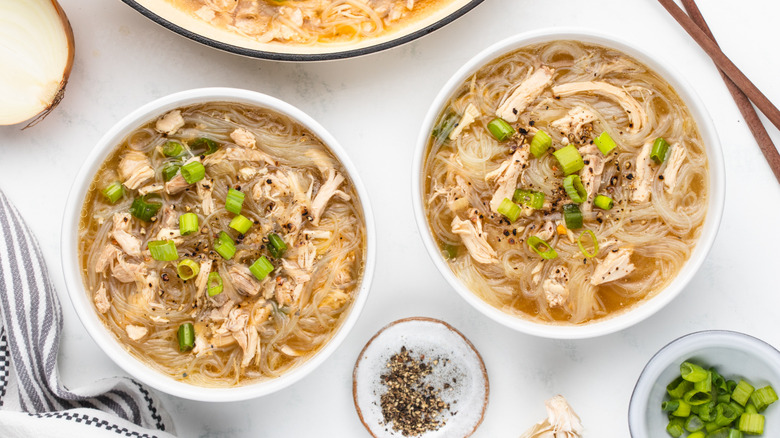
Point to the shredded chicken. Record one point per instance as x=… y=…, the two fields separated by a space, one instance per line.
x=135 y=169
x=201 y=282
x=469 y=116
x=136 y=332
x=641 y=186
x=616 y=265
x=101 y=299
x=106 y=257
x=129 y=243
x=572 y=123
x=556 y=287
x=636 y=112
x=561 y=421
x=525 y=93
x=244 y=138
x=326 y=191
x=674 y=162
x=176 y=185
x=205 y=187
x=151 y=188
x=474 y=240
x=506 y=176
x=243 y=280
x=247 y=173
x=546 y=231
x=127 y=272
x=246 y=336
x=243 y=154
x=170 y=123
x=591 y=173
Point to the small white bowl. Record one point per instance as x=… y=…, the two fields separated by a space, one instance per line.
x=72 y=270
x=734 y=355
x=716 y=195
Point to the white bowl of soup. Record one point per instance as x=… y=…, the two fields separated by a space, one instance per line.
x=218 y=244
x=567 y=184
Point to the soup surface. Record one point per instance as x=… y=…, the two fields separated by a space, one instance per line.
x=565 y=182
x=308 y=21
x=222 y=244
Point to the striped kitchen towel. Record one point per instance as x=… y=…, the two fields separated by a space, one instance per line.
x=33 y=402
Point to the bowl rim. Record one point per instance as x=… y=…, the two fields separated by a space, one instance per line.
x=304 y=57
x=72 y=271
x=710 y=227
x=688 y=344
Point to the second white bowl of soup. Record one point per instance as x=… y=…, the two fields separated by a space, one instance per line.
x=218 y=244
x=567 y=184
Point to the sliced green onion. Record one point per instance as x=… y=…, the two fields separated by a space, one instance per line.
x=699 y=434
x=114 y=191
x=694 y=397
x=572 y=216
x=707 y=411
x=574 y=188
x=172 y=148
x=704 y=384
x=738 y=408
x=678 y=387
x=234 y=201
x=719 y=382
x=675 y=427
x=169 y=170
x=603 y=202
x=742 y=392
x=144 y=210
x=683 y=410
x=733 y=433
x=214 y=284
x=203 y=146
x=225 y=246
x=530 y=198
x=714 y=432
x=441 y=133
x=725 y=414
x=605 y=143
x=241 y=224
x=261 y=268
x=542 y=248
x=193 y=172
x=752 y=424
x=509 y=209
x=570 y=159
x=276 y=246
x=670 y=405
x=449 y=251
x=187 y=269
x=540 y=143
x=750 y=408
x=724 y=397
x=692 y=372
x=500 y=129
x=763 y=397
x=660 y=148
x=693 y=424
x=593 y=240
x=163 y=250
x=186 y=335
x=188 y=223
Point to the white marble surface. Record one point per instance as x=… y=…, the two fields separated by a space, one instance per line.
x=374 y=105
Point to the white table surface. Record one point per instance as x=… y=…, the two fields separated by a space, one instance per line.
x=374 y=105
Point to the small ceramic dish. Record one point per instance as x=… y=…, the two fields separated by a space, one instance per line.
x=734 y=355
x=457 y=371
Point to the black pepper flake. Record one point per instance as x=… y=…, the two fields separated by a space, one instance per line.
x=630 y=176
x=531 y=123
x=523 y=131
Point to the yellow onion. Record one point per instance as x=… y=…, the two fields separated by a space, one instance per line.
x=36 y=55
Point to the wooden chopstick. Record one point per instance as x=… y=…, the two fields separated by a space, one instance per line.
x=743 y=103
x=723 y=62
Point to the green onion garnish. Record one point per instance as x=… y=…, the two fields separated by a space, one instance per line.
x=169 y=170
x=509 y=209
x=186 y=335
x=234 y=201
x=692 y=372
x=670 y=405
x=114 y=191
x=530 y=198
x=193 y=172
x=725 y=414
x=449 y=251
x=605 y=143
x=699 y=434
x=261 y=268
x=570 y=159
x=678 y=387
x=188 y=223
x=660 y=148
x=144 y=210
x=241 y=224
x=683 y=410
x=694 y=397
x=214 y=284
x=540 y=143
x=705 y=384
x=675 y=427
x=593 y=240
x=752 y=424
x=742 y=392
x=441 y=132
x=572 y=216
x=225 y=246
x=500 y=129
x=574 y=188
x=203 y=146
x=693 y=424
x=733 y=433
x=163 y=250
x=603 y=202
x=276 y=246
x=187 y=269
x=172 y=148
x=542 y=248
x=763 y=397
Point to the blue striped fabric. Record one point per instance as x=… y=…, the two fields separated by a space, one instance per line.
x=30 y=326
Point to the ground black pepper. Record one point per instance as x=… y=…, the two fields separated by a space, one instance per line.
x=410 y=405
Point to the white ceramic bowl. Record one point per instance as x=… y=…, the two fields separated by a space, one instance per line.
x=72 y=272
x=716 y=194
x=734 y=355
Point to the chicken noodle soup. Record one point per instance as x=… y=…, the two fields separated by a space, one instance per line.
x=565 y=182
x=307 y=21
x=222 y=244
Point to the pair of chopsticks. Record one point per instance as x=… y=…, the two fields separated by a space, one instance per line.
x=742 y=89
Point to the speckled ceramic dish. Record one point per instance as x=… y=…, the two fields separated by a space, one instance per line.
x=733 y=354
x=186 y=24
x=458 y=371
